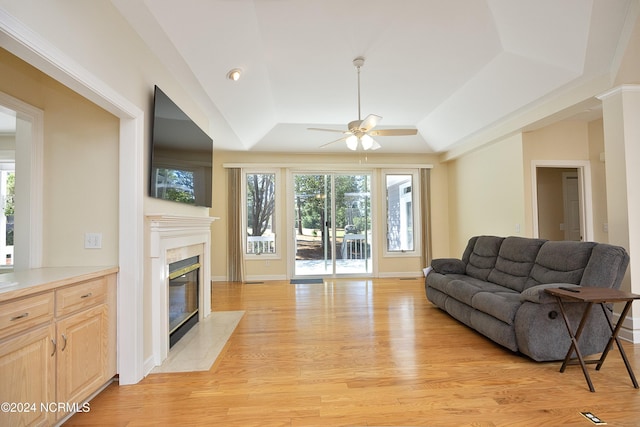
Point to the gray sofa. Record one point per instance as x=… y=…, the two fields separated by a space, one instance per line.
x=497 y=288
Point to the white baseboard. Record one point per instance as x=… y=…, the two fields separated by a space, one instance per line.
x=630 y=330
x=148 y=365
x=401 y=274
x=265 y=278
x=259 y=278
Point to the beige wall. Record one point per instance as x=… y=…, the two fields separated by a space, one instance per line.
x=563 y=144
x=486 y=193
x=80 y=177
x=490 y=190
x=278 y=268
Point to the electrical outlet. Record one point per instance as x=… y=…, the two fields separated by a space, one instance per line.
x=93 y=240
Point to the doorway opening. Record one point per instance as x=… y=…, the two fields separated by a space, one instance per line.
x=332 y=222
x=21 y=156
x=562 y=201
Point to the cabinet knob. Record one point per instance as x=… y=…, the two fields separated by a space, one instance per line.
x=53 y=342
x=64 y=345
x=87 y=295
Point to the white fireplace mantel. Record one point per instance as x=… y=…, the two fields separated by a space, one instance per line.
x=168 y=233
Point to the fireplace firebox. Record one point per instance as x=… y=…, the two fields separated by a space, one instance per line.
x=183 y=297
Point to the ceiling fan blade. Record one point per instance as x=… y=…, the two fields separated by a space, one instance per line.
x=375 y=145
x=333 y=142
x=369 y=122
x=393 y=132
x=329 y=130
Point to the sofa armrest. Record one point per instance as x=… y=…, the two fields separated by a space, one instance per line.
x=537 y=294
x=448 y=266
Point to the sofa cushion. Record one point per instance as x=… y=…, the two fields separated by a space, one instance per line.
x=448 y=266
x=464 y=290
x=501 y=305
x=514 y=263
x=560 y=262
x=483 y=257
x=438 y=281
x=469 y=249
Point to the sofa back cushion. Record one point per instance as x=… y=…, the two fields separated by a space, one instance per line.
x=560 y=262
x=469 y=249
x=606 y=267
x=515 y=260
x=482 y=258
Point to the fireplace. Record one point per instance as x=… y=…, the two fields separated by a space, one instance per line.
x=174 y=239
x=183 y=297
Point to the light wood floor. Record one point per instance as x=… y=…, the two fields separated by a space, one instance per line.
x=356 y=352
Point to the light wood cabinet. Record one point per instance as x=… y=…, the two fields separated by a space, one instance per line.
x=27 y=369
x=82 y=345
x=57 y=348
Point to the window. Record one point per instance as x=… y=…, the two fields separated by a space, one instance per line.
x=260 y=195
x=402 y=199
x=7 y=196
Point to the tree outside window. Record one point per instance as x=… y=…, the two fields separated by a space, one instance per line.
x=400 y=230
x=261 y=202
x=8 y=187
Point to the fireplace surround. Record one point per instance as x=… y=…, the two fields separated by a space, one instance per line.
x=175 y=238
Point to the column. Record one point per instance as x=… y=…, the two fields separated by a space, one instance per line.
x=620 y=110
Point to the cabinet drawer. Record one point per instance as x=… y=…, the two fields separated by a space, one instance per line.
x=18 y=315
x=79 y=296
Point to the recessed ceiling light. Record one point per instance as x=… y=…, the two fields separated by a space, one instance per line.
x=234 y=74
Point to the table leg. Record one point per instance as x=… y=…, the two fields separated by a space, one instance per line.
x=574 y=341
x=614 y=337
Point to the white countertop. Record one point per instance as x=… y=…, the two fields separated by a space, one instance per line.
x=25 y=282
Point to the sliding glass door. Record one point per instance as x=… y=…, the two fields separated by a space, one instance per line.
x=332 y=214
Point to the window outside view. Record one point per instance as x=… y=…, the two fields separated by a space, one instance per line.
x=261 y=201
x=7 y=193
x=399 y=213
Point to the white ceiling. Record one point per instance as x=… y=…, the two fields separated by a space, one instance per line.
x=450 y=68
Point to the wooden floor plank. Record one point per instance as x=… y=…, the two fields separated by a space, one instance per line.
x=364 y=352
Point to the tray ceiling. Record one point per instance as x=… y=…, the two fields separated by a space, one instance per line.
x=451 y=69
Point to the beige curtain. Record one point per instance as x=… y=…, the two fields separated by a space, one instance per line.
x=235 y=254
x=425 y=200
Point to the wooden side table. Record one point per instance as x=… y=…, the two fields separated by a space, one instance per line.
x=591 y=296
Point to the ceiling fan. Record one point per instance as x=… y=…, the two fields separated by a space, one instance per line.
x=360 y=132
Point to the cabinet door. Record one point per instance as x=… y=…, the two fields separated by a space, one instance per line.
x=27 y=372
x=82 y=354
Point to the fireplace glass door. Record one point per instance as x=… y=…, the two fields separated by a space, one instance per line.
x=183 y=297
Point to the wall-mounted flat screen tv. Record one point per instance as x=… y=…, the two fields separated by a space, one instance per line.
x=181 y=155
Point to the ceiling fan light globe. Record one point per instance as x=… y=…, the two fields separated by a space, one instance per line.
x=352 y=143
x=367 y=142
